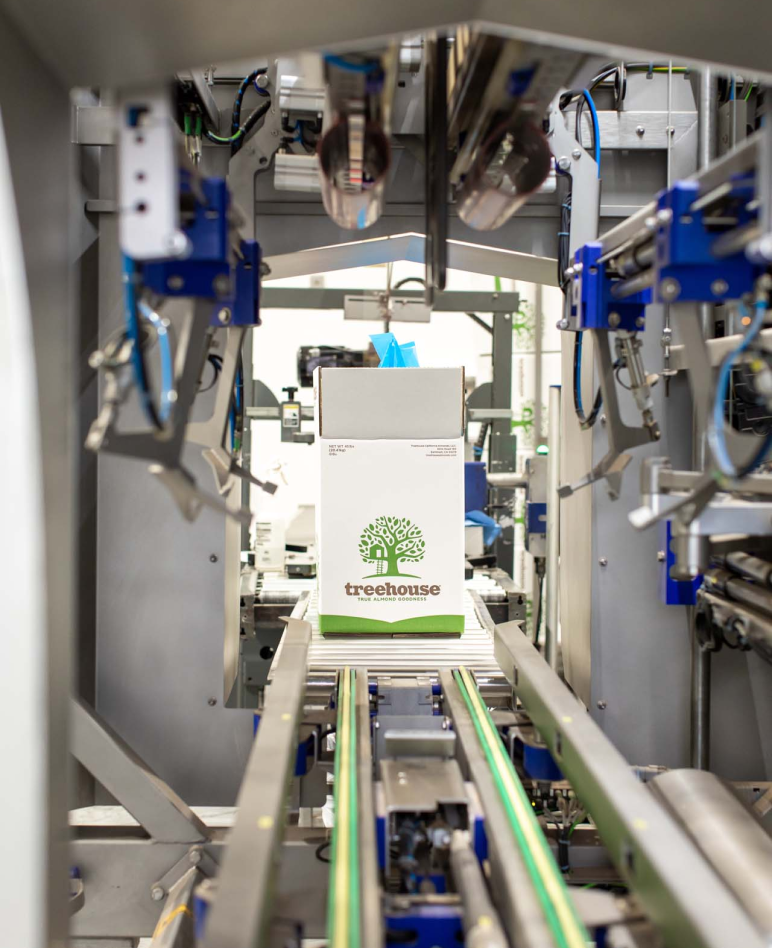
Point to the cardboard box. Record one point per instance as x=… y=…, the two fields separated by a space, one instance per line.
x=390 y=512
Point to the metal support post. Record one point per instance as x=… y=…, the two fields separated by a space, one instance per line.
x=242 y=911
x=503 y=443
x=700 y=667
x=553 y=529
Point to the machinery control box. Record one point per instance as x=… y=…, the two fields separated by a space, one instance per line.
x=390 y=512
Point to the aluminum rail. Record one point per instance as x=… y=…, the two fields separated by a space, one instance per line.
x=241 y=913
x=682 y=895
x=372 y=920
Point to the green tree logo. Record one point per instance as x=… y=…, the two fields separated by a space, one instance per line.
x=389 y=541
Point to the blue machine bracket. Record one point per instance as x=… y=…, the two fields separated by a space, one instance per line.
x=211 y=270
x=592 y=302
x=674 y=592
x=685 y=267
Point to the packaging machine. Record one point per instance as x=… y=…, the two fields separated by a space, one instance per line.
x=193 y=763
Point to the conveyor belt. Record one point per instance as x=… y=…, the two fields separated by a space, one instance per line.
x=404 y=654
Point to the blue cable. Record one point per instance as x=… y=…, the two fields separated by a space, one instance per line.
x=133 y=335
x=342 y=63
x=167 y=363
x=595 y=125
x=716 y=436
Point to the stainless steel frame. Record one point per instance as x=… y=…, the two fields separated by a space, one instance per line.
x=679 y=891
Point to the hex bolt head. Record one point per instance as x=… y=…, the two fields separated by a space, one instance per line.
x=669 y=289
x=603 y=420
x=640 y=322
x=614 y=319
x=660 y=556
x=221 y=285
x=195 y=855
x=96 y=359
x=719 y=287
x=562 y=323
x=576 y=154
x=224 y=316
x=603 y=561
x=601 y=704
x=564 y=163
x=262 y=80
x=157 y=893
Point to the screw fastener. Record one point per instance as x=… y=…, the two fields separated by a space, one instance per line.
x=602 y=705
x=603 y=561
x=157 y=893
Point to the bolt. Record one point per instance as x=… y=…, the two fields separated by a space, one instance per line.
x=603 y=420
x=221 y=285
x=578 y=267
x=376 y=725
x=564 y=163
x=494 y=296
x=213 y=558
x=224 y=316
x=640 y=322
x=671 y=130
x=719 y=287
x=262 y=80
x=96 y=359
x=601 y=704
x=172 y=396
x=195 y=855
x=603 y=561
x=175 y=283
x=562 y=323
x=660 y=556
x=157 y=893
x=639 y=131
x=614 y=319
x=177 y=242
x=664 y=216
x=670 y=289
x=576 y=154
x=212 y=702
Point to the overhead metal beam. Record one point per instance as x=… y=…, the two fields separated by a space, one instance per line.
x=86 y=42
x=474 y=258
x=242 y=911
x=127 y=777
x=665 y=870
x=448 y=301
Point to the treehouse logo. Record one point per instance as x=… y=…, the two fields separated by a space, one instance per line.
x=388 y=543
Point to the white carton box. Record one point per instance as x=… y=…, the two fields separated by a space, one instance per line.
x=390 y=516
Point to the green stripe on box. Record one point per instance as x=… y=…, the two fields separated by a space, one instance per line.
x=354 y=625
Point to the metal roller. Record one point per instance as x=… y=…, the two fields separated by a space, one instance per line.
x=732 y=841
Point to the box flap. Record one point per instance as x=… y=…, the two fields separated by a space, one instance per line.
x=370 y=404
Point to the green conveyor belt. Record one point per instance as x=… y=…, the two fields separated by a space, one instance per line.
x=554 y=898
x=343 y=916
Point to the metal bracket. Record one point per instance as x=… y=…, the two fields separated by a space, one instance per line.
x=621 y=437
x=196 y=857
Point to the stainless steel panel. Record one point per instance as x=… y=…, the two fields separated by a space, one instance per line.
x=87 y=42
x=421 y=785
x=37 y=499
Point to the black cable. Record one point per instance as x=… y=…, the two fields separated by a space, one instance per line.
x=216 y=364
x=405 y=280
x=586 y=421
x=320 y=849
x=246 y=82
x=539 y=605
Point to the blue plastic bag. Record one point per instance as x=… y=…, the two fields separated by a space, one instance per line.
x=392 y=354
